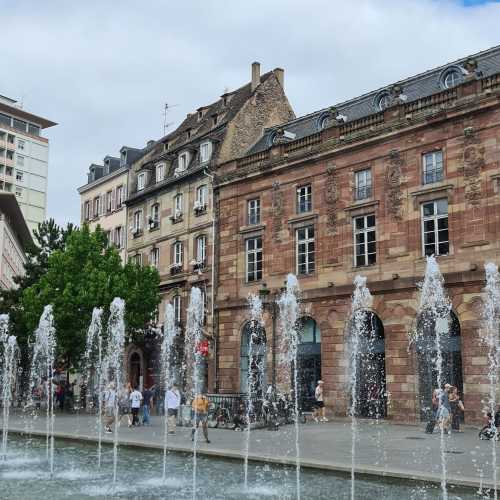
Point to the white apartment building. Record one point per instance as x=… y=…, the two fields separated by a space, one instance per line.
x=24 y=157
x=15 y=237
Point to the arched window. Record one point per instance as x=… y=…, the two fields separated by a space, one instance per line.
x=427 y=357
x=308 y=361
x=370 y=360
x=253 y=360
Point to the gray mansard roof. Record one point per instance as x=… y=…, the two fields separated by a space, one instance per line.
x=413 y=88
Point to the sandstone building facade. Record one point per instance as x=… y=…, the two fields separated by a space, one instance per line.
x=170 y=203
x=370 y=186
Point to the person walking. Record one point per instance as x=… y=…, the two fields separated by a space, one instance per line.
x=147 y=403
x=109 y=407
x=457 y=407
x=124 y=405
x=172 y=403
x=319 y=410
x=444 y=409
x=135 y=405
x=200 y=408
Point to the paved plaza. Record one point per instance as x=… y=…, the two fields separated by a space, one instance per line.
x=382 y=449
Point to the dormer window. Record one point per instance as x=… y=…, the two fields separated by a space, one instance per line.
x=215 y=119
x=383 y=101
x=205 y=152
x=141 y=181
x=166 y=146
x=160 y=172
x=123 y=158
x=183 y=162
x=188 y=133
x=451 y=78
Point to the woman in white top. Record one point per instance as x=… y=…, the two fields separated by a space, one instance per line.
x=172 y=403
x=135 y=403
x=319 y=410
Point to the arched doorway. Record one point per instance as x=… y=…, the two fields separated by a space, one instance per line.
x=427 y=358
x=308 y=361
x=370 y=384
x=135 y=369
x=253 y=356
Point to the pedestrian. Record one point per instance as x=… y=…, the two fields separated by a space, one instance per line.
x=172 y=403
x=319 y=404
x=135 y=406
x=147 y=403
x=239 y=418
x=200 y=408
x=109 y=407
x=124 y=405
x=444 y=408
x=457 y=408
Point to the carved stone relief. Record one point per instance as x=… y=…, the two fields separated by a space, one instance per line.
x=277 y=210
x=473 y=162
x=393 y=176
x=331 y=198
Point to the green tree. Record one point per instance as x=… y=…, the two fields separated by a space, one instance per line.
x=48 y=237
x=85 y=274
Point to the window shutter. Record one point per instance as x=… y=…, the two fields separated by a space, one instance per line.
x=113 y=199
x=83 y=212
x=102 y=204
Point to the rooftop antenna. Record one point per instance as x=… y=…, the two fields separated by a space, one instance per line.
x=167 y=124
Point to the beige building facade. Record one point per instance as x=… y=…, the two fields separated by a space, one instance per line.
x=15 y=237
x=171 y=206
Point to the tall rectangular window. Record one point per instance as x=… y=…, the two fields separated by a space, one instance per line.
x=108 y=202
x=201 y=197
x=363 y=184
x=365 y=245
x=201 y=249
x=432 y=167
x=119 y=196
x=160 y=172
x=178 y=253
x=97 y=206
x=20 y=160
x=178 y=205
x=435 y=236
x=141 y=181
x=253 y=211
x=119 y=236
x=154 y=257
x=205 y=152
x=304 y=199
x=176 y=303
x=19 y=175
x=154 y=218
x=253 y=259
x=183 y=161
x=137 y=221
x=20 y=144
x=305 y=250
x=86 y=210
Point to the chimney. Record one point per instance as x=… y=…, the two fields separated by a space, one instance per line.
x=279 y=73
x=255 y=75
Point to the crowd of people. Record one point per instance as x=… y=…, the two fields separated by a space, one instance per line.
x=447 y=410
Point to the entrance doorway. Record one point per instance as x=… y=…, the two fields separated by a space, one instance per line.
x=371 y=385
x=308 y=362
x=427 y=357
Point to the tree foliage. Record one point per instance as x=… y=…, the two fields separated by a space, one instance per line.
x=85 y=273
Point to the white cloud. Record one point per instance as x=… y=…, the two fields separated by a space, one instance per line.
x=104 y=69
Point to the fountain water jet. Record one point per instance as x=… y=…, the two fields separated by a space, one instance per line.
x=194 y=361
x=255 y=373
x=113 y=363
x=288 y=320
x=94 y=371
x=9 y=371
x=434 y=311
x=491 y=338
x=42 y=371
x=169 y=333
x=361 y=303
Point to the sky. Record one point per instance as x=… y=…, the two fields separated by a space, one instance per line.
x=103 y=70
